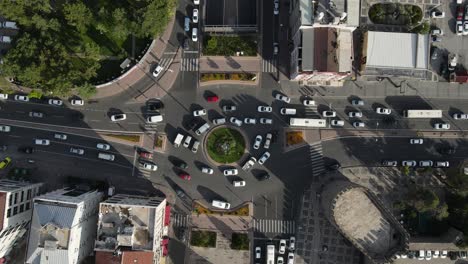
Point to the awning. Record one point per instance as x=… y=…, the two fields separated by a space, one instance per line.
x=167 y=215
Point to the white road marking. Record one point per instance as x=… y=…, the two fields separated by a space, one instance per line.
x=78 y=145
x=134 y=167
x=15 y=136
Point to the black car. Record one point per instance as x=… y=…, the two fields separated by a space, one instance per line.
x=155 y=105
x=185 y=44
x=182 y=165
x=27 y=150
x=180 y=193
x=264 y=176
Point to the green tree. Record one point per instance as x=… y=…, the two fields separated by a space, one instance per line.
x=77 y=15
x=405 y=170
x=87 y=90
x=121 y=23
x=442 y=212
x=422 y=28
x=156 y=17
x=423 y=200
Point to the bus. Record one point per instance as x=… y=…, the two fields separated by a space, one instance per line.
x=270 y=254
x=307 y=122
x=422 y=113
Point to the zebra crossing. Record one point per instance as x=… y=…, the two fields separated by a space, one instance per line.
x=165 y=62
x=189 y=64
x=154 y=127
x=269 y=65
x=142 y=173
x=180 y=220
x=316 y=157
x=274 y=226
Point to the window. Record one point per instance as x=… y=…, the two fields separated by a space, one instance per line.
x=8 y=213
x=28 y=195
x=15 y=210
x=27 y=205
x=22 y=196
x=10 y=200
x=16 y=198
x=21 y=208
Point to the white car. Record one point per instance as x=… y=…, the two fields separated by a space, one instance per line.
x=103 y=146
x=149 y=166
x=23 y=98
x=337 y=123
x=416 y=141
x=200 y=112
x=266 y=121
x=77 y=102
x=437 y=32
x=60 y=136
x=196 y=2
x=44 y=142
x=3 y=96
x=195 y=16
x=275 y=48
x=249 y=163
x=264 y=109
x=292 y=243
x=428 y=255
x=157 y=70
x=235 y=121
x=77 y=151
x=383 y=111
x=229 y=108
x=290 y=258
x=426 y=163
x=442 y=164
x=250 y=121
x=307 y=102
x=194 y=34
x=154 y=119
x=460 y=116
x=264 y=158
x=282 y=246
x=195 y=146
x=219 y=121
x=437 y=14
x=230 y=172
x=436 y=254
x=238 y=183
x=258 y=252
x=257 y=142
x=187 y=141
x=36 y=114
x=409 y=163
x=329 y=113
x=465 y=28
x=118 y=117
x=355 y=114
x=5 y=128
x=442 y=126
x=55 y=102
x=459 y=28
x=220 y=204
x=280 y=260
x=276 y=7
x=207 y=170
x=359 y=124
x=268 y=138
x=357 y=102
x=444 y=254
x=283 y=98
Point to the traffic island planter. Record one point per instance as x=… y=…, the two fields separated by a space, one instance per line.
x=225 y=145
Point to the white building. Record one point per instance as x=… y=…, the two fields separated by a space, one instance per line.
x=63 y=226
x=133 y=227
x=15 y=212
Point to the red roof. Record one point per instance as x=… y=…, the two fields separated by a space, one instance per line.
x=3 y=198
x=461 y=78
x=105 y=257
x=167 y=215
x=137 y=257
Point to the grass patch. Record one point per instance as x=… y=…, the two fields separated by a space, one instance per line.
x=206 y=77
x=159 y=141
x=395 y=14
x=4 y=83
x=203 y=238
x=131 y=138
x=200 y=209
x=229 y=45
x=294 y=137
x=225 y=145
x=240 y=241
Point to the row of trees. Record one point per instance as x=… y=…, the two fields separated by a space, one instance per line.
x=59 y=46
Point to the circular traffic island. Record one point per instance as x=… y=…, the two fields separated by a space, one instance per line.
x=225 y=145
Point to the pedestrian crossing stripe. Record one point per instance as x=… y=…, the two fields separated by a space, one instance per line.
x=189 y=64
x=269 y=65
x=316 y=158
x=165 y=62
x=274 y=226
x=180 y=220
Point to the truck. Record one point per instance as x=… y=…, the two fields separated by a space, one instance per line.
x=270 y=254
x=307 y=122
x=422 y=113
x=178 y=140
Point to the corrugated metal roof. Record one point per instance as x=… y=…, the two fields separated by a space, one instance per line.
x=396 y=50
x=54 y=256
x=59 y=215
x=308 y=49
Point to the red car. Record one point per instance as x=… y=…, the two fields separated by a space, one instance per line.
x=185 y=176
x=460 y=13
x=213 y=98
x=146 y=155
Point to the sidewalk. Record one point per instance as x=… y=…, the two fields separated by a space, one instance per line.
x=229 y=64
x=154 y=53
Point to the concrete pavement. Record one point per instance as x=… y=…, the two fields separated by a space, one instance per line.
x=229 y=64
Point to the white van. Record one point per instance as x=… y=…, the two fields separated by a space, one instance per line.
x=178 y=140
x=202 y=129
x=288 y=111
x=9 y=24
x=220 y=204
x=187 y=141
x=187 y=24
x=106 y=156
x=154 y=119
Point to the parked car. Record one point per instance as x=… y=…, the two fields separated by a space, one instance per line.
x=118 y=117
x=383 y=111
x=187 y=141
x=283 y=98
x=194 y=34
x=103 y=146
x=264 y=176
x=437 y=32
x=459 y=28
x=267 y=143
x=409 y=163
x=249 y=163
x=154 y=119
x=207 y=170
x=442 y=164
x=460 y=116
x=257 y=142
x=266 y=121
x=145 y=154
x=235 y=121
x=264 y=158
x=426 y=163
x=3 y=96
x=280 y=260
x=334 y=166
x=185 y=176
x=250 y=121
x=436 y=39
x=181 y=165
x=77 y=102
x=358 y=124
x=390 y=163
x=258 y=252
x=428 y=254
x=441 y=126
x=282 y=246
x=416 y=141
x=149 y=166
x=23 y=98
x=36 y=114
x=238 y=183
x=219 y=121
x=465 y=28
x=337 y=123
x=357 y=102
x=230 y=172
x=60 y=136
x=212 y=98
x=195 y=16
x=264 y=109
x=437 y=14
x=55 y=102
x=275 y=7
x=307 y=102
x=290 y=258
x=229 y=108
x=195 y=146
x=355 y=114
x=329 y=114
x=292 y=243
x=200 y=112
x=220 y=204
x=157 y=70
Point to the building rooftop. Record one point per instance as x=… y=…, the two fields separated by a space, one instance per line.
x=137 y=257
x=358 y=217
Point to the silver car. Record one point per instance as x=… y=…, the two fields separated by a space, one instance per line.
x=257 y=142
x=235 y=121
x=283 y=98
x=355 y=114
x=77 y=151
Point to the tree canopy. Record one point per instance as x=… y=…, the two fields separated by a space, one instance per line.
x=59 y=46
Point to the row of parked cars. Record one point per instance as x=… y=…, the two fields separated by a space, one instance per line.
x=54 y=102
x=433 y=254
x=413 y=163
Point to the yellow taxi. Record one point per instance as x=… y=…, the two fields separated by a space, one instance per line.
x=5 y=162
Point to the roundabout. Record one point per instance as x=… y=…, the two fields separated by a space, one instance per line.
x=225 y=145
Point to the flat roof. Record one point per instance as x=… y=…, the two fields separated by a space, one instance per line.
x=308 y=49
x=230 y=12
x=397 y=50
